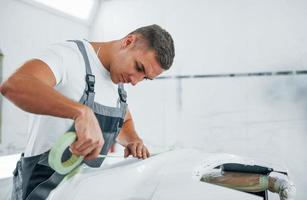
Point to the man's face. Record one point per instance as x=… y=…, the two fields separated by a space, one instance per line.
x=132 y=64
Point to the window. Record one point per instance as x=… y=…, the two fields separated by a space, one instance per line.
x=82 y=10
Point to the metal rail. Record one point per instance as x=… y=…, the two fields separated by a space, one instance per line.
x=236 y=75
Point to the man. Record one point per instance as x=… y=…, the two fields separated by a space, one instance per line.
x=73 y=87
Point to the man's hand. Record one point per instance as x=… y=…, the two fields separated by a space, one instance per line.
x=89 y=136
x=137 y=149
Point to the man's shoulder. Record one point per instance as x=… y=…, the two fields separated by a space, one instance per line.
x=66 y=51
x=64 y=46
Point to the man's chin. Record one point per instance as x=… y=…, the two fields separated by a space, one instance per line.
x=114 y=80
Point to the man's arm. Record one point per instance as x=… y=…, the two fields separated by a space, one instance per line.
x=31 y=89
x=130 y=140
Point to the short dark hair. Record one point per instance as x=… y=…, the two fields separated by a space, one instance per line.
x=160 y=41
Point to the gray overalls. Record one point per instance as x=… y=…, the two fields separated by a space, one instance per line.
x=33 y=178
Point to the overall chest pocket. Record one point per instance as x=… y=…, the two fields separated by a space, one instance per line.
x=109 y=124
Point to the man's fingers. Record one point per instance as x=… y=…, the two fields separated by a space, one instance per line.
x=132 y=149
x=88 y=150
x=144 y=153
x=93 y=154
x=74 y=150
x=147 y=153
x=127 y=152
x=77 y=144
x=137 y=149
x=84 y=146
x=140 y=150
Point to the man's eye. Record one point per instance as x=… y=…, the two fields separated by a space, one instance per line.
x=138 y=68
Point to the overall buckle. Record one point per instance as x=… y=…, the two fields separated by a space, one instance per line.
x=122 y=95
x=90 y=80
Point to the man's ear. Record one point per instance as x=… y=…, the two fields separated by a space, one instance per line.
x=128 y=41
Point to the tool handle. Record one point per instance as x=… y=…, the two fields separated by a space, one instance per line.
x=254 y=169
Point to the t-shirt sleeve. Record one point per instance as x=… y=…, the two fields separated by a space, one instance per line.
x=53 y=57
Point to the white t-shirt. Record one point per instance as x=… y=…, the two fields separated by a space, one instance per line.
x=67 y=64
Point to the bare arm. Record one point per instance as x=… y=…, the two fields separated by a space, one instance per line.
x=31 y=89
x=129 y=138
x=128 y=133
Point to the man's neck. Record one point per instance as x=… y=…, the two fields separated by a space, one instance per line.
x=104 y=52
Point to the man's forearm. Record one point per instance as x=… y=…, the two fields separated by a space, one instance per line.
x=32 y=95
x=127 y=133
x=130 y=140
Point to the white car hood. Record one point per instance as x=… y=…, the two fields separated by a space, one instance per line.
x=171 y=175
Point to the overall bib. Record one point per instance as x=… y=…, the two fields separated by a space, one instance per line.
x=33 y=178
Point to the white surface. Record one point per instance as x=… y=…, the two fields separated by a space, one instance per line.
x=7 y=165
x=5 y=188
x=170 y=175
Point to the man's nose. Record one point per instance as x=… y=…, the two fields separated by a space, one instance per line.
x=133 y=81
x=136 y=78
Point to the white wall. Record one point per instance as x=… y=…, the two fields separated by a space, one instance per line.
x=25 y=31
x=262 y=117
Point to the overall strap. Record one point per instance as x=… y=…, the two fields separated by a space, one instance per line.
x=122 y=93
x=89 y=78
x=42 y=191
x=122 y=102
x=84 y=54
